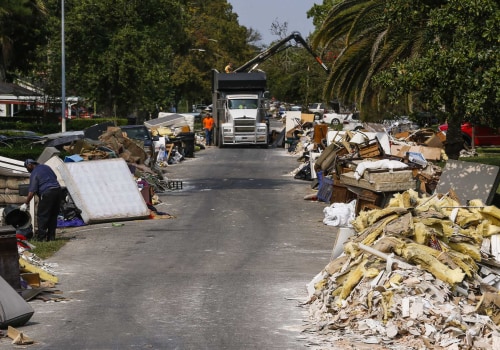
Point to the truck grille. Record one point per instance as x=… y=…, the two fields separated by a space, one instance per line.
x=244 y=125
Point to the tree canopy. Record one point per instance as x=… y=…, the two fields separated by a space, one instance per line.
x=127 y=56
x=137 y=56
x=21 y=31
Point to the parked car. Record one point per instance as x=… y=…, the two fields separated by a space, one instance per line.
x=333 y=118
x=318 y=109
x=11 y=136
x=399 y=124
x=483 y=135
x=296 y=108
x=352 y=122
x=198 y=108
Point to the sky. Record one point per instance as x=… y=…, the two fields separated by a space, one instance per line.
x=260 y=14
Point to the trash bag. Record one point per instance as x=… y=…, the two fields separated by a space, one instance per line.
x=304 y=172
x=68 y=209
x=293 y=146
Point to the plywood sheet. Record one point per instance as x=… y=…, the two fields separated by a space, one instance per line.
x=104 y=190
x=469 y=181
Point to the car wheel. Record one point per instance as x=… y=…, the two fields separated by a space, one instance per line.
x=335 y=122
x=317 y=116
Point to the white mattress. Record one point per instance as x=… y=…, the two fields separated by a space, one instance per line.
x=104 y=190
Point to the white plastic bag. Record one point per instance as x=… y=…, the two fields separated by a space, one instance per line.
x=340 y=214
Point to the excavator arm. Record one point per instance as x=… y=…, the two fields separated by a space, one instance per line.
x=264 y=55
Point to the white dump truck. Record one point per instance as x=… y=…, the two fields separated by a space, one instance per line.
x=240 y=109
x=240 y=105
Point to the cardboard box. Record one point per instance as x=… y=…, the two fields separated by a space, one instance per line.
x=430 y=153
x=436 y=140
x=306 y=117
x=32 y=278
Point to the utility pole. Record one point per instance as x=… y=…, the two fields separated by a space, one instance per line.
x=63 y=73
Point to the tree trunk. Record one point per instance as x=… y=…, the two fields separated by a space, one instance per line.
x=454 y=138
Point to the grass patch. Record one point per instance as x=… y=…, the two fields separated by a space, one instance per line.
x=45 y=250
x=483 y=159
x=486 y=155
x=494 y=150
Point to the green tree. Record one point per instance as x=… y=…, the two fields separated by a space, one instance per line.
x=459 y=69
x=294 y=76
x=118 y=53
x=214 y=38
x=21 y=30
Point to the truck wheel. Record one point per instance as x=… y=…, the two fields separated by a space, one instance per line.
x=335 y=122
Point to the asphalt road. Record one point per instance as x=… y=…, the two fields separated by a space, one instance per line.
x=228 y=272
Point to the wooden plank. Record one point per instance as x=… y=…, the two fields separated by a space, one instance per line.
x=18 y=337
x=170 y=148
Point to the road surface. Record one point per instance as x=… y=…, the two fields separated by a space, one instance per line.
x=228 y=272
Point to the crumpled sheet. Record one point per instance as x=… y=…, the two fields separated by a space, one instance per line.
x=340 y=214
x=379 y=164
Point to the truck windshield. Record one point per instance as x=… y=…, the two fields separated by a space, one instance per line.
x=243 y=104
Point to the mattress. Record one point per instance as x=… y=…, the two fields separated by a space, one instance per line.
x=388 y=176
x=387 y=185
x=104 y=190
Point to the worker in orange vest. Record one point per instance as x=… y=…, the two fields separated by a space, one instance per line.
x=208 y=126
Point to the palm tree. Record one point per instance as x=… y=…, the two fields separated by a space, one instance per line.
x=370 y=44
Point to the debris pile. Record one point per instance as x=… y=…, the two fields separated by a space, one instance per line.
x=420 y=273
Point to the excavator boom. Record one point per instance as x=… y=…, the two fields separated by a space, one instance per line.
x=264 y=55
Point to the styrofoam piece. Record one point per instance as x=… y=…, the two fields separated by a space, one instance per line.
x=311 y=285
x=343 y=235
x=104 y=190
x=54 y=164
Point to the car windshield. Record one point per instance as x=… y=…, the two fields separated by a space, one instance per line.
x=138 y=133
x=243 y=104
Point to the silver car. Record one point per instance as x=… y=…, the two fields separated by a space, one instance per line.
x=318 y=109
